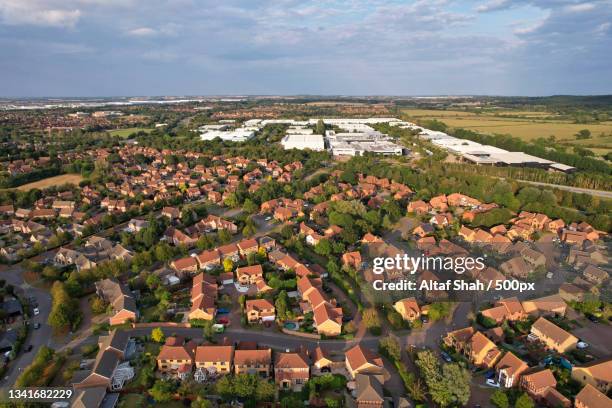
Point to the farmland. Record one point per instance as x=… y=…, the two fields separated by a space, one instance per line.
x=525 y=125
x=124 y=133
x=52 y=181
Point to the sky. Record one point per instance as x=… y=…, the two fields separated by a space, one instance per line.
x=317 y=47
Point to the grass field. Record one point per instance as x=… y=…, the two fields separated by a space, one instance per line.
x=538 y=124
x=52 y=181
x=128 y=131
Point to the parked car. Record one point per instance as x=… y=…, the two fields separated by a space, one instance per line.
x=223 y=321
x=36 y=326
x=223 y=311
x=29 y=348
x=36 y=311
x=582 y=345
x=491 y=383
x=346 y=319
x=490 y=374
x=446 y=357
x=424 y=319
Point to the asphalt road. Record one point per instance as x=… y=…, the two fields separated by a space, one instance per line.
x=36 y=338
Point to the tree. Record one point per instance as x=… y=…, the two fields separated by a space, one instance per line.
x=224 y=236
x=583 y=134
x=524 y=401
x=157 y=335
x=228 y=265
x=98 y=305
x=249 y=206
x=391 y=347
x=281 y=305
x=456 y=380
x=323 y=247
x=162 y=391
x=372 y=321
x=500 y=399
x=207 y=329
x=201 y=403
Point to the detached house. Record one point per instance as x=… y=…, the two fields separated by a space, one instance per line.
x=590 y=397
x=260 y=310
x=249 y=275
x=598 y=374
x=553 y=336
x=119 y=296
x=360 y=360
x=509 y=370
x=291 y=370
x=408 y=308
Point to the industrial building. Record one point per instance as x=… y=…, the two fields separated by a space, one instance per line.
x=303 y=141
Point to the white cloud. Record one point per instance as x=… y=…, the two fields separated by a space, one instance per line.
x=580 y=8
x=493 y=5
x=34 y=12
x=142 y=32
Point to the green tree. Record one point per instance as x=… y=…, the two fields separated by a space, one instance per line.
x=157 y=335
x=524 y=401
x=162 y=391
x=228 y=265
x=500 y=399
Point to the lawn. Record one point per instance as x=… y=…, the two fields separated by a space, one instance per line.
x=124 y=133
x=52 y=181
x=538 y=124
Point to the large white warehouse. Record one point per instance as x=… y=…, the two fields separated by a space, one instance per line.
x=296 y=141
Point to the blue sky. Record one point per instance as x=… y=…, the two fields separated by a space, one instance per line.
x=348 y=47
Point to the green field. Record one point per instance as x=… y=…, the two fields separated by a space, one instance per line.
x=128 y=131
x=524 y=125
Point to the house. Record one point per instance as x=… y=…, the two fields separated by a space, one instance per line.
x=94 y=397
x=598 y=374
x=516 y=267
x=176 y=356
x=188 y=264
x=534 y=258
x=291 y=370
x=595 y=275
x=121 y=300
x=368 y=392
x=547 y=305
x=249 y=275
x=540 y=386
x=110 y=371
x=203 y=295
x=553 y=336
x=505 y=309
x=467 y=234
x=260 y=310
x=360 y=360
x=172 y=213
x=423 y=230
x=321 y=360
x=352 y=259
x=214 y=359
x=327 y=319
x=418 y=207
x=590 y=397
x=247 y=246
x=208 y=260
x=439 y=203
x=257 y=362
x=230 y=251
x=479 y=350
x=408 y=308
x=572 y=293
x=509 y=369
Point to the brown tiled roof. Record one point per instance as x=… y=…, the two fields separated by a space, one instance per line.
x=590 y=397
x=246 y=357
x=214 y=353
